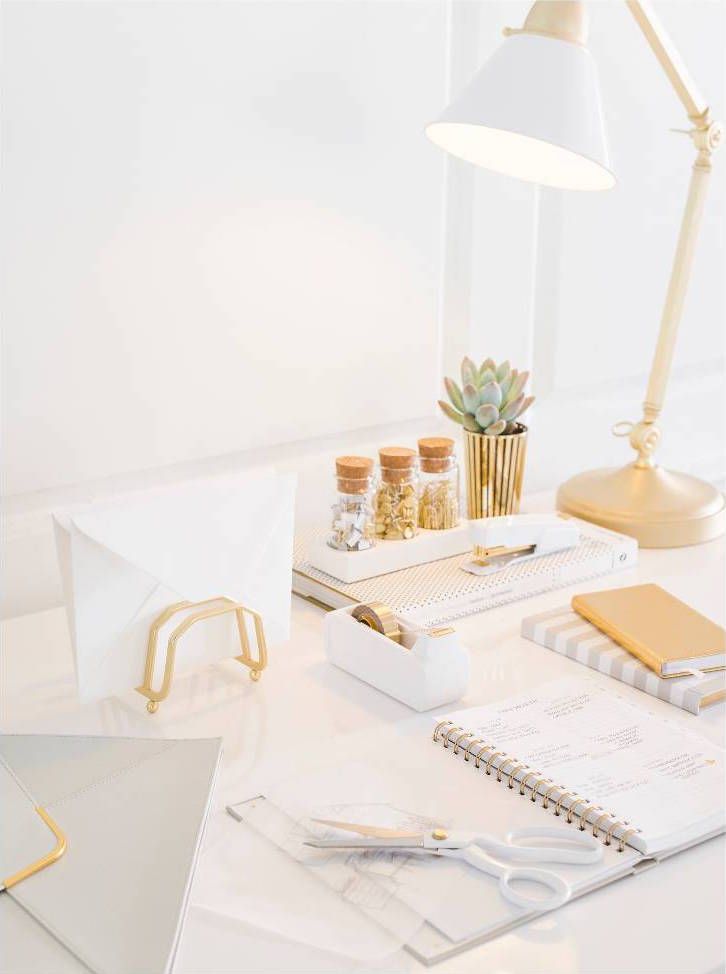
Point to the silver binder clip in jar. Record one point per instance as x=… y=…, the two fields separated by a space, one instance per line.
x=353 y=527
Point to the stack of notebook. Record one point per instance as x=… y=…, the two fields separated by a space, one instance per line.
x=660 y=645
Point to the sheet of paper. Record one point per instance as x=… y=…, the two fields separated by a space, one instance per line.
x=647 y=771
x=245 y=876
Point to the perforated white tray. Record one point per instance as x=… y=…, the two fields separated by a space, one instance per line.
x=441 y=591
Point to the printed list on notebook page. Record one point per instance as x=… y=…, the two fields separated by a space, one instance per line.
x=645 y=770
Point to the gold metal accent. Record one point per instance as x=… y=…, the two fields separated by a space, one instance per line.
x=609 y=833
x=583 y=815
x=565 y=20
x=596 y=823
x=313 y=601
x=501 y=766
x=447 y=735
x=370 y=831
x=624 y=838
x=380 y=618
x=523 y=782
x=470 y=745
x=488 y=556
x=459 y=739
x=496 y=754
x=477 y=759
x=661 y=508
x=515 y=769
x=617 y=825
x=440 y=835
x=546 y=796
x=441 y=723
x=494 y=468
x=207 y=609
x=571 y=808
x=535 y=791
x=560 y=800
x=54 y=855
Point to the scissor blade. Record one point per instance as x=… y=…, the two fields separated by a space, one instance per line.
x=374 y=831
x=367 y=843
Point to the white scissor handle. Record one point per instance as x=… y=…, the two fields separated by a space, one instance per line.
x=559 y=889
x=574 y=847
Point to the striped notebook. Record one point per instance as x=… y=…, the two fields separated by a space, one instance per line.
x=568 y=634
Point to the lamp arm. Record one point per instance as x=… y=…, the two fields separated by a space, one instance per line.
x=707 y=136
x=669 y=58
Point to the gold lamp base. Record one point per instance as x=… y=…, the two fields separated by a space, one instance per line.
x=660 y=508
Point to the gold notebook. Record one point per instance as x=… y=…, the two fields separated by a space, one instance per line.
x=664 y=633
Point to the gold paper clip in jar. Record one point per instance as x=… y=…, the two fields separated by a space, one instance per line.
x=396 y=499
x=438 y=492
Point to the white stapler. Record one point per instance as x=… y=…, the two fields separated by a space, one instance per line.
x=499 y=541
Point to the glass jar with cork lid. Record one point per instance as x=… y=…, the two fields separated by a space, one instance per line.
x=438 y=495
x=353 y=525
x=396 y=498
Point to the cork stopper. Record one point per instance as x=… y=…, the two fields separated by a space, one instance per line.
x=353 y=474
x=436 y=453
x=397 y=464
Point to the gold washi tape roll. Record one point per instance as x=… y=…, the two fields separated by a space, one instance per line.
x=380 y=618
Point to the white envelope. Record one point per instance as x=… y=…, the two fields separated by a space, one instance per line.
x=123 y=563
x=132 y=813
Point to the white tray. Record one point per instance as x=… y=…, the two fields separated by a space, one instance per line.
x=389 y=556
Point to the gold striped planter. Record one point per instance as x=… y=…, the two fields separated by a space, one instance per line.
x=494 y=473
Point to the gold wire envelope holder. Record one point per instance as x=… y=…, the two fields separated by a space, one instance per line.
x=208 y=609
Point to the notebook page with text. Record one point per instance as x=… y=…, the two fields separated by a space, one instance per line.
x=612 y=764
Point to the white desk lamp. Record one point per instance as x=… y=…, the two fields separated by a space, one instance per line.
x=533 y=111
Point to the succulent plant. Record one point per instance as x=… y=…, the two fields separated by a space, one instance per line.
x=489 y=400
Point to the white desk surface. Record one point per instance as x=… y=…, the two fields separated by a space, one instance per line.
x=667 y=919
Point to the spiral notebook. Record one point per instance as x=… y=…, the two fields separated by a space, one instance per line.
x=579 y=751
x=574 y=753
x=563 y=755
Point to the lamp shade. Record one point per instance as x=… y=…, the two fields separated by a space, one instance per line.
x=532 y=111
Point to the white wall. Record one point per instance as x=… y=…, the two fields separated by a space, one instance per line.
x=219 y=219
x=616 y=249
x=224 y=229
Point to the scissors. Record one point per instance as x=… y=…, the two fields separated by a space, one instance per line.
x=481 y=850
